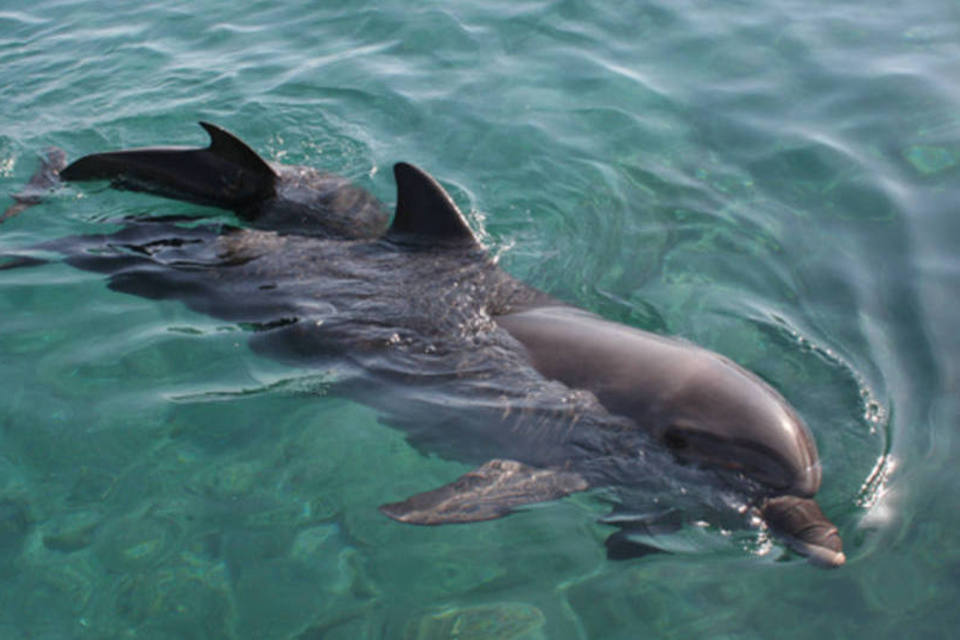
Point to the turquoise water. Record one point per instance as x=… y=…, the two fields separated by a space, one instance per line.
x=778 y=181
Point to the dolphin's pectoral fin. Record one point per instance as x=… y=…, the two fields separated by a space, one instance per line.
x=227 y=174
x=10 y=262
x=641 y=534
x=622 y=545
x=488 y=492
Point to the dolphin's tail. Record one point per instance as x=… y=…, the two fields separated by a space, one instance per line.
x=44 y=180
x=227 y=174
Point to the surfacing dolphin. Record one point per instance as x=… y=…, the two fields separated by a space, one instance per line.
x=548 y=399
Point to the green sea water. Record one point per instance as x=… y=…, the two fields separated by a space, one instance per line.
x=778 y=181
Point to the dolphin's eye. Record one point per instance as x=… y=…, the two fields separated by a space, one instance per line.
x=675 y=440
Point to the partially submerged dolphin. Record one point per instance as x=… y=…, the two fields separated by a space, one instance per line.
x=555 y=400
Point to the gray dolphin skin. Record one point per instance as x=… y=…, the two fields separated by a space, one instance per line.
x=43 y=181
x=545 y=398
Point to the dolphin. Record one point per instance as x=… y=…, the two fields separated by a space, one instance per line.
x=548 y=399
x=44 y=180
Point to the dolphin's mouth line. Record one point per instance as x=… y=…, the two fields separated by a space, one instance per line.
x=752 y=459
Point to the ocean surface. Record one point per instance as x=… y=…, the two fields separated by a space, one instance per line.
x=778 y=181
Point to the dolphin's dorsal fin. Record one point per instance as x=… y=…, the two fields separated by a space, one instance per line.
x=426 y=214
x=230 y=147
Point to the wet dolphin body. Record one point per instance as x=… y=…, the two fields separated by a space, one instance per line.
x=47 y=177
x=418 y=306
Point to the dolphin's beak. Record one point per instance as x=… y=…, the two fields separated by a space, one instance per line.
x=801 y=523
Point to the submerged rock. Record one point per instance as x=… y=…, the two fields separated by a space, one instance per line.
x=135 y=544
x=14 y=525
x=71 y=531
x=51 y=600
x=318 y=585
x=184 y=602
x=231 y=479
x=500 y=621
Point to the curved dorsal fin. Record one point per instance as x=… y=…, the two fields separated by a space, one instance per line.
x=426 y=214
x=230 y=147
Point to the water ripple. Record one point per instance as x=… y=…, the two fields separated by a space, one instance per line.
x=775 y=180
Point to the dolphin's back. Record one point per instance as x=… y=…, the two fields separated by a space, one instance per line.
x=228 y=174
